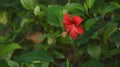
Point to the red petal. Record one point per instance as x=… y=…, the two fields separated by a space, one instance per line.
x=79 y=30
x=68 y=27
x=66 y=19
x=76 y=19
x=73 y=33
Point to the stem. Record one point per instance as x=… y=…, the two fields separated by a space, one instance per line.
x=67 y=63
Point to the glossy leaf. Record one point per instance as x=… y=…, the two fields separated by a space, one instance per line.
x=90 y=3
x=12 y=63
x=54 y=15
x=95 y=35
x=37 y=10
x=3 y=63
x=110 y=28
x=25 y=22
x=50 y=40
x=92 y=63
x=28 y=4
x=90 y=22
x=59 y=55
x=116 y=39
x=2 y=26
x=48 y=36
x=109 y=9
x=74 y=6
x=9 y=48
x=45 y=64
x=3 y=17
x=94 y=51
x=36 y=56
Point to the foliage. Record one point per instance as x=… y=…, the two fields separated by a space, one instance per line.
x=32 y=33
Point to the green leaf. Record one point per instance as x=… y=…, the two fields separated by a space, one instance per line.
x=92 y=63
x=59 y=55
x=74 y=6
x=67 y=40
x=67 y=63
x=90 y=22
x=95 y=35
x=2 y=26
x=90 y=3
x=3 y=17
x=94 y=51
x=12 y=63
x=115 y=4
x=110 y=28
x=9 y=48
x=28 y=4
x=48 y=36
x=50 y=40
x=114 y=52
x=45 y=64
x=85 y=7
x=108 y=9
x=36 y=56
x=25 y=21
x=37 y=10
x=3 y=63
x=116 y=39
x=54 y=15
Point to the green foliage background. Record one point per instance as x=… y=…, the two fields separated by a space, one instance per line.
x=20 y=20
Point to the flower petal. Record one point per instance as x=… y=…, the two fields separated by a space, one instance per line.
x=79 y=30
x=76 y=19
x=73 y=33
x=66 y=19
x=68 y=27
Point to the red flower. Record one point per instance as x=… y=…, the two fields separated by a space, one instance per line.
x=72 y=25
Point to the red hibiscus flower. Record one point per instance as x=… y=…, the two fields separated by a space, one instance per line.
x=72 y=25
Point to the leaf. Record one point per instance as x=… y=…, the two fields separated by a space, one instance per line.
x=9 y=48
x=67 y=40
x=114 y=52
x=50 y=40
x=95 y=35
x=45 y=64
x=109 y=9
x=115 y=4
x=74 y=6
x=36 y=56
x=54 y=15
x=2 y=26
x=59 y=55
x=116 y=39
x=99 y=5
x=47 y=36
x=92 y=63
x=110 y=28
x=37 y=10
x=85 y=7
x=3 y=17
x=25 y=21
x=28 y=4
x=94 y=51
x=12 y=63
x=90 y=22
x=90 y=3
x=3 y=63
